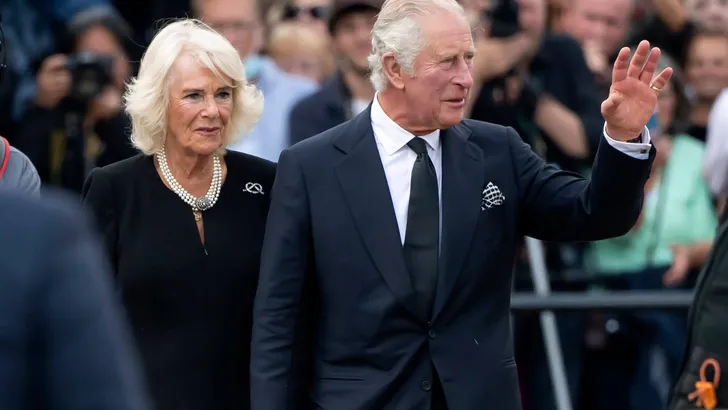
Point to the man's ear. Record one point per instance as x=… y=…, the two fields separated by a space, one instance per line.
x=393 y=70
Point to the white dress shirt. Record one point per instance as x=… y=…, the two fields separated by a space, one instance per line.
x=398 y=159
x=716 y=150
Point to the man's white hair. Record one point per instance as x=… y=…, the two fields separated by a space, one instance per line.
x=396 y=30
x=147 y=96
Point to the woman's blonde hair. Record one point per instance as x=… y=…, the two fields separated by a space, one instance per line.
x=147 y=96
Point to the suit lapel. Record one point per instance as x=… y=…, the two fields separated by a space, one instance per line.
x=362 y=179
x=463 y=175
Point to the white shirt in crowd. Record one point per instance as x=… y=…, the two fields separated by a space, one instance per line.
x=716 y=150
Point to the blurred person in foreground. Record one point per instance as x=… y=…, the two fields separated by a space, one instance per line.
x=348 y=92
x=65 y=342
x=240 y=22
x=76 y=121
x=391 y=238
x=665 y=249
x=184 y=220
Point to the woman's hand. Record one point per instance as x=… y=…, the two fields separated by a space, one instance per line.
x=681 y=263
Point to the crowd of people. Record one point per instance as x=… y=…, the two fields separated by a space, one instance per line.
x=69 y=106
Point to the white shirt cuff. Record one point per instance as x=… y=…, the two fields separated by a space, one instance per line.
x=634 y=150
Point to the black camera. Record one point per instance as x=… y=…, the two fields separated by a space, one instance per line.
x=503 y=17
x=90 y=73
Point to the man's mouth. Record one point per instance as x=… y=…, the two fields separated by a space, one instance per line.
x=456 y=101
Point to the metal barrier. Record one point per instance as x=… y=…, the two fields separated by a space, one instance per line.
x=622 y=300
x=546 y=302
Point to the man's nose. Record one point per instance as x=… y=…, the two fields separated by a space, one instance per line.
x=465 y=74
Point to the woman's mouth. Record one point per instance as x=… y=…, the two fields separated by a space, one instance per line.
x=208 y=131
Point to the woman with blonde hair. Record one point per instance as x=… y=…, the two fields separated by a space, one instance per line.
x=184 y=219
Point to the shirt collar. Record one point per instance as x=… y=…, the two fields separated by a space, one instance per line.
x=391 y=135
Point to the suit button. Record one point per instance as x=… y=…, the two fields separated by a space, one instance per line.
x=426 y=385
x=432 y=334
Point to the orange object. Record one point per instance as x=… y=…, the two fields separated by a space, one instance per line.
x=704 y=389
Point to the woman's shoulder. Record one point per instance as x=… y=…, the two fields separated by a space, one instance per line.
x=124 y=167
x=117 y=175
x=253 y=167
x=686 y=156
x=688 y=147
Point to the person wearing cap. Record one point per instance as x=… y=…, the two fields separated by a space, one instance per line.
x=348 y=92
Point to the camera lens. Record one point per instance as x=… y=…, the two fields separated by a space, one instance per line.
x=88 y=84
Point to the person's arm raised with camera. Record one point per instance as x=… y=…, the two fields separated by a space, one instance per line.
x=494 y=58
x=52 y=81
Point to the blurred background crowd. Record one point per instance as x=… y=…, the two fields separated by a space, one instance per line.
x=542 y=67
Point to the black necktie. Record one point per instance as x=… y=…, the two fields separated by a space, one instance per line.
x=423 y=226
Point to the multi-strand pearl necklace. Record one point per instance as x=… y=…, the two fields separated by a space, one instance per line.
x=202 y=203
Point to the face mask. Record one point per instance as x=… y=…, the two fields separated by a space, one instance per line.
x=252 y=66
x=690 y=93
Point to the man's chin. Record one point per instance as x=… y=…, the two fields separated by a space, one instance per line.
x=451 y=119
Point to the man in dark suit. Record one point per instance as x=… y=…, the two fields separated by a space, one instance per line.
x=391 y=238
x=63 y=341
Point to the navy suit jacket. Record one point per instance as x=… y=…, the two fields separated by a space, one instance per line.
x=333 y=272
x=63 y=341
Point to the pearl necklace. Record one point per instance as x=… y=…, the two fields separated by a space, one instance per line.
x=202 y=203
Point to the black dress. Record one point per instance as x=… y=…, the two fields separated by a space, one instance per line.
x=190 y=305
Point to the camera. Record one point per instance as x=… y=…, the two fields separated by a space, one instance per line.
x=503 y=17
x=90 y=73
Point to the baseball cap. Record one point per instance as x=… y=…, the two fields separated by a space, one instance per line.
x=341 y=7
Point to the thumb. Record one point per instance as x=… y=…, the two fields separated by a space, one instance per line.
x=672 y=276
x=609 y=106
x=668 y=278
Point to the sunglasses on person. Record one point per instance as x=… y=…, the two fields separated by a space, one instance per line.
x=292 y=12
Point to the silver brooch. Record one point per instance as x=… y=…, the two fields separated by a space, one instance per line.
x=253 y=188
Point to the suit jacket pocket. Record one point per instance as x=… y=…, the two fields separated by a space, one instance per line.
x=338 y=375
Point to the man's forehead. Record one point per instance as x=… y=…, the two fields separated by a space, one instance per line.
x=449 y=39
x=453 y=48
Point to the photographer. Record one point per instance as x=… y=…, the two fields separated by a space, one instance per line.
x=75 y=121
x=538 y=83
